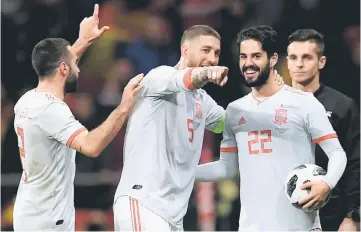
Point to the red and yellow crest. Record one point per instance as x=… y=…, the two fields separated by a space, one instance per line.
x=281 y=116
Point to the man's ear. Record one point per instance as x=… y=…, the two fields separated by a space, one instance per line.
x=184 y=50
x=63 y=69
x=322 y=62
x=274 y=60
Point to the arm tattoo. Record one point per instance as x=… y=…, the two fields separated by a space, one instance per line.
x=200 y=79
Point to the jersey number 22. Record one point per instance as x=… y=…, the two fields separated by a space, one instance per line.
x=258 y=142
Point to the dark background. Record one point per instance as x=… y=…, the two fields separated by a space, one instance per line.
x=145 y=34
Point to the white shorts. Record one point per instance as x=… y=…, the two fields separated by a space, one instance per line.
x=130 y=215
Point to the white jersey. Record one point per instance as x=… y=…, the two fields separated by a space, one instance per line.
x=164 y=140
x=272 y=137
x=45 y=128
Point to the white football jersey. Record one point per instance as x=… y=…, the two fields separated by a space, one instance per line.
x=272 y=137
x=163 y=142
x=45 y=128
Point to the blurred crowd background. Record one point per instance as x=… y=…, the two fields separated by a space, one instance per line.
x=145 y=34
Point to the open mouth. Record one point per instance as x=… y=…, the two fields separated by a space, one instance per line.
x=250 y=73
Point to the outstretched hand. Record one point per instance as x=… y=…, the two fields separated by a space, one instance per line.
x=131 y=91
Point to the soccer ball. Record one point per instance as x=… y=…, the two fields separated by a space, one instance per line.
x=301 y=175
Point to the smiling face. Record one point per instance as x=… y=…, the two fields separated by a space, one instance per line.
x=257 y=47
x=201 y=46
x=202 y=51
x=255 y=66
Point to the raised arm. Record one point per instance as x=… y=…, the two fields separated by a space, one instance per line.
x=88 y=32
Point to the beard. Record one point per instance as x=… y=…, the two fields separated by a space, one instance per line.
x=71 y=85
x=262 y=77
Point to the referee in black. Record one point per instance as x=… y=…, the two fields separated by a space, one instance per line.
x=305 y=59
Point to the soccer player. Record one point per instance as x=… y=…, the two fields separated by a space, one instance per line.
x=305 y=60
x=48 y=134
x=164 y=136
x=268 y=133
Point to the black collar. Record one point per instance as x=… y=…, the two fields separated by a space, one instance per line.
x=319 y=90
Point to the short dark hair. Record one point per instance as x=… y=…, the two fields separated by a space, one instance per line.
x=198 y=30
x=48 y=54
x=266 y=35
x=303 y=35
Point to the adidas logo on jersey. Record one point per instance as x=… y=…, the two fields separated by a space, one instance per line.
x=242 y=121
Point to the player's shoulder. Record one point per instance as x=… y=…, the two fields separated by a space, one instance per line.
x=34 y=102
x=242 y=101
x=299 y=97
x=237 y=105
x=337 y=96
x=337 y=102
x=161 y=69
x=157 y=74
x=34 y=98
x=296 y=92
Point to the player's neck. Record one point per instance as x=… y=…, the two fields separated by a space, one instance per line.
x=51 y=87
x=268 y=89
x=310 y=87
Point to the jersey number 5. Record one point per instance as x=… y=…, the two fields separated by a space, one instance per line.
x=20 y=133
x=261 y=138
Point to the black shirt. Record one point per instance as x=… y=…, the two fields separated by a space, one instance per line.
x=344 y=117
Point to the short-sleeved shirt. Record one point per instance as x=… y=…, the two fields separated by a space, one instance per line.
x=45 y=128
x=271 y=138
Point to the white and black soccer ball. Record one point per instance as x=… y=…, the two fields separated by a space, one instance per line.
x=299 y=176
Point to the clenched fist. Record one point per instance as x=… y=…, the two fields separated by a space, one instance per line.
x=215 y=74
